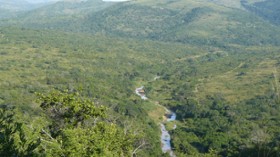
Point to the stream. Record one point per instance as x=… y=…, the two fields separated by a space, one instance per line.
x=141 y=93
x=165 y=136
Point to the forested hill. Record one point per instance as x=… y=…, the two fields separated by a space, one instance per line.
x=268 y=10
x=13 y=8
x=69 y=70
x=14 y=5
x=202 y=22
x=61 y=14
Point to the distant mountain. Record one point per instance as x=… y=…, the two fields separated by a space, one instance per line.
x=62 y=13
x=184 y=21
x=269 y=9
x=14 y=5
x=9 y=8
x=13 y=8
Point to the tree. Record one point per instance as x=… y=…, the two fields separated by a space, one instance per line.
x=69 y=110
x=79 y=128
x=14 y=141
x=260 y=138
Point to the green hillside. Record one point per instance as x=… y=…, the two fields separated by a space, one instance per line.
x=215 y=64
x=13 y=8
x=60 y=14
x=268 y=10
x=177 y=21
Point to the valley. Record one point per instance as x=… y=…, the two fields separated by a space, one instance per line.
x=94 y=78
x=168 y=116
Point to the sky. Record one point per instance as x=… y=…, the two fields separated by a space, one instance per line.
x=44 y=1
x=115 y=0
x=40 y=1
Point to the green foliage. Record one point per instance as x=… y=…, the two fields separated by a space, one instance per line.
x=14 y=140
x=69 y=109
x=102 y=140
x=209 y=129
x=68 y=113
x=201 y=84
x=66 y=137
x=218 y=69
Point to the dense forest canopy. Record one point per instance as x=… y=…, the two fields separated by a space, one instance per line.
x=70 y=73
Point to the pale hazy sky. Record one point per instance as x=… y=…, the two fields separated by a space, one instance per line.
x=40 y=1
x=115 y=0
x=44 y=1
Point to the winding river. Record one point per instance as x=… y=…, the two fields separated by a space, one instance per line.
x=165 y=136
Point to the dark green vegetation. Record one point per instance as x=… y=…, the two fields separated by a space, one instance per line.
x=74 y=130
x=218 y=69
